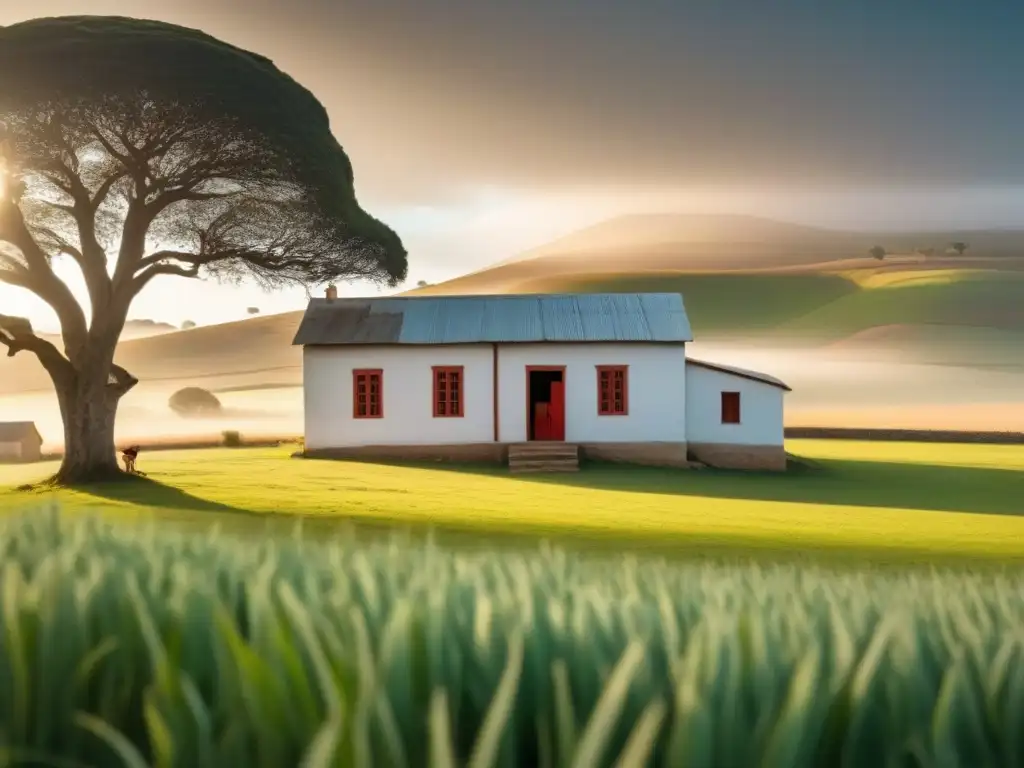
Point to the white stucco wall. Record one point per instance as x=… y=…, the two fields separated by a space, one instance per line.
x=407 y=388
x=761 y=409
x=657 y=382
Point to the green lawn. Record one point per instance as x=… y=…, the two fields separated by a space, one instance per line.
x=881 y=498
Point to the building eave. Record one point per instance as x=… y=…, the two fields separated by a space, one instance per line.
x=740 y=373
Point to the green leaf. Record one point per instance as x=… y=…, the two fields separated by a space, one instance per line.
x=793 y=736
x=488 y=741
x=87 y=666
x=599 y=729
x=130 y=756
x=640 y=744
x=159 y=734
x=565 y=715
x=13 y=591
x=323 y=749
x=441 y=753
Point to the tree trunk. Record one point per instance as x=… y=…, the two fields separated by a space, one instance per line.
x=88 y=408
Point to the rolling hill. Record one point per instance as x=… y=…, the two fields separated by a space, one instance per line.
x=760 y=282
x=254 y=352
x=769 y=282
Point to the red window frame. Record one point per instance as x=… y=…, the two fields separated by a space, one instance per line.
x=368 y=393
x=731 y=408
x=448 y=400
x=613 y=390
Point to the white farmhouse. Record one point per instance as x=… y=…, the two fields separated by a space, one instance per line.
x=534 y=380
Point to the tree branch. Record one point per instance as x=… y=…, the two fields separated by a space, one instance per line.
x=119 y=380
x=101 y=194
x=17 y=335
x=40 y=279
x=161 y=256
x=156 y=264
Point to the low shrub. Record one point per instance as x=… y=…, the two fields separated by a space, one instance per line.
x=194 y=401
x=231 y=438
x=131 y=646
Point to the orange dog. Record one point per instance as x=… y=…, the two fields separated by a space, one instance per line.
x=128 y=456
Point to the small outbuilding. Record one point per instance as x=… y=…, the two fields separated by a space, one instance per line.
x=524 y=378
x=20 y=441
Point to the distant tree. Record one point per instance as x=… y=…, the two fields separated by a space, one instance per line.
x=194 y=401
x=878 y=252
x=138 y=149
x=959 y=248
x=188 y=324
x=422 y=284
x=253 y=310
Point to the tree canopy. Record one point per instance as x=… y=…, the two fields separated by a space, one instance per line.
x=138 y=149
x=180 y=93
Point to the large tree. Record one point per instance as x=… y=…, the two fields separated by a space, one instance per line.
x=139 y=150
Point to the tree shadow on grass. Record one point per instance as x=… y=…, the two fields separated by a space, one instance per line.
x=144 y=492
x=932 y=487
x=149 y=499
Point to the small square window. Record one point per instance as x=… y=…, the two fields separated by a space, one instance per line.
x=448 y=389
x=612 y=390
x=368 y=394
x=730 y=407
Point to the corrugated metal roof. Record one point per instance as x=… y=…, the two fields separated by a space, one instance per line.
x=743 y=373
x=647 y=317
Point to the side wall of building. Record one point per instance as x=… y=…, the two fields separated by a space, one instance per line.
x=757 y=442
x=25 y=450
x=11 y=450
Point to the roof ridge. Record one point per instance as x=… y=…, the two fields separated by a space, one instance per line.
x=490 y=296
x=618 y=317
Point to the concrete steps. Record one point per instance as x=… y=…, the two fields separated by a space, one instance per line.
x=543 y=456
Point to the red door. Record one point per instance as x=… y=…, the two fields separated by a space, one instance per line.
x=556 y=411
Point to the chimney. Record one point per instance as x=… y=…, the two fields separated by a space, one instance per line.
x=332 y=292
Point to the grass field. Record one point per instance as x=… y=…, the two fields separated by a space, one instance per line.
x=126 y=645
x=884 y=500
x=121 y=647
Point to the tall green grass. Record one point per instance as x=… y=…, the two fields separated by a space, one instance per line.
x=130 y=646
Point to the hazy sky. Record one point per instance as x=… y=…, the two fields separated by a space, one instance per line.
x=480 y=128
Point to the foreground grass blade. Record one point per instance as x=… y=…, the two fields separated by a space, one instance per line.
x=609 y=707
x=124 y=749
x=488 y=742
x=642 y=739
x=441 y=754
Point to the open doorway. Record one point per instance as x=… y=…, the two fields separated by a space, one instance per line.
x=545 y=402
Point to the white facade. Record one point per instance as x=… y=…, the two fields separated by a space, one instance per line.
x=541 y=384
x=656 y=412
x=761 y=409
x=408 y=388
